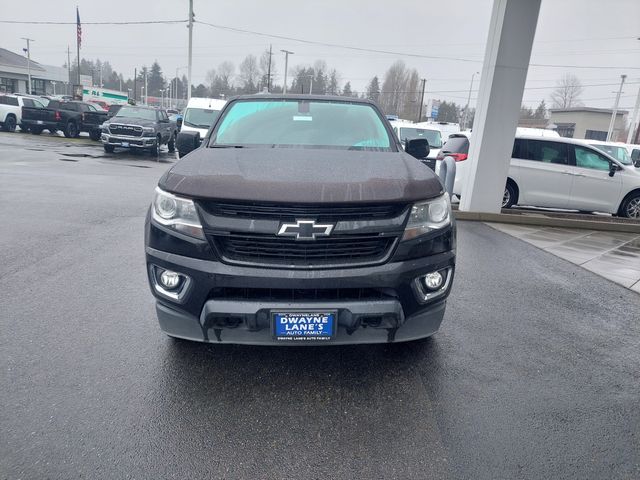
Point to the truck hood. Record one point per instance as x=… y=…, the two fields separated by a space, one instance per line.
x=301 y=175
x=131 y=121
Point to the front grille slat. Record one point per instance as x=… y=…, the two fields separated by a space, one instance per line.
x=273 y=250
x=128 y=130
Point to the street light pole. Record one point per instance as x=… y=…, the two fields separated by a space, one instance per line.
x=286 y=65
x=190 y=47
x=614 y=113
x=28 y=51
x=466 y=109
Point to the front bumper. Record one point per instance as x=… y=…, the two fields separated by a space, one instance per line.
x=220 y=304
x=126 y=141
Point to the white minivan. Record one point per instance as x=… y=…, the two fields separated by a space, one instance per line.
x=569 y=174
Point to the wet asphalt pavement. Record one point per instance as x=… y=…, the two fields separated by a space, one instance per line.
x=534 y=374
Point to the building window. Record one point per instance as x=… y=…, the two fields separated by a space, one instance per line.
x=8 y=85
x=595 y=135
x=566 y=129
x=38 y=86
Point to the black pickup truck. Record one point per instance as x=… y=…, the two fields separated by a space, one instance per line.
x=70 y=117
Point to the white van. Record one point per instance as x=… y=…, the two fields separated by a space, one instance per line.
x=409 y=131
x=200 y=114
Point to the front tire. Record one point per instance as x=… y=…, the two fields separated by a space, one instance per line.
x=95 y=135
x=509 y=198
x=71 y=130
x=630 y=207
x=109 y=148
x=155 y=150
x=36 y=130
x=172 y=144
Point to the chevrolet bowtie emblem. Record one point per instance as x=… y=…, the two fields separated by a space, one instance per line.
x=305 y=230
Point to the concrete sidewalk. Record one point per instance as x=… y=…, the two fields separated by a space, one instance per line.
x=612 y=255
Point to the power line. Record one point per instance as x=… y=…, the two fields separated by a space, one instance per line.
x=143 y=22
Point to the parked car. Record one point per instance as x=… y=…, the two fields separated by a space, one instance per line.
x=199 y=115
x=565 y=173
x=409 y=131
x=11 y=110
x=300 y=220
x=446 y=128
x=616 y=150
x=70 y=117
x=101 y=103
x=139 y=127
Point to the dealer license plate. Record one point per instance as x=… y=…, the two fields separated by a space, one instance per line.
x=125 y=144
x=39 y=122
x=307 y=325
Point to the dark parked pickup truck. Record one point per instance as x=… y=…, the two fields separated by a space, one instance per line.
x=141 y=128
x=70 y=117
x=300 y=219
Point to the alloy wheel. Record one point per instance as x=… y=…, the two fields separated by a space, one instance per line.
x=506 y=198
x=633 y=208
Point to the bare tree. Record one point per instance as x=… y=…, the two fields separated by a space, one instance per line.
x=394 y=87
x=210 y=78
x=411 y=95
x=249 y=73
x=226 y=71
x=567 y=92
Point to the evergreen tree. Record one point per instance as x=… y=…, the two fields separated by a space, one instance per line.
x=346 y=91
x=373 y=90
x=155 y=81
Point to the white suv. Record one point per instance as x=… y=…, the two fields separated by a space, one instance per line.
x=568 y=174
x=11 y=110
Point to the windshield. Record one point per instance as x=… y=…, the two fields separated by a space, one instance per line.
x=136 y=112
x=303 y=123
x=619 y=153
x=434 y=137
x=200 y=117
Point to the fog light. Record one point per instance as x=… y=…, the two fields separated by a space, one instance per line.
x=170 y=279
x=433 y=280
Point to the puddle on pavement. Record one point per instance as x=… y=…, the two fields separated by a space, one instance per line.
x=67 y=159
x=80 y=155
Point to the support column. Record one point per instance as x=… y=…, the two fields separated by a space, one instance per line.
x=504 y=72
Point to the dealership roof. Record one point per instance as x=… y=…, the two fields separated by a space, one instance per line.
x=11 y=59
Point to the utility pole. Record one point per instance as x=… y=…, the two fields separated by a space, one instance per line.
x=466 y=109
x=69 y=68
x=101 y=75
x=634 y=118
x=28 y=52
x=269 y=71
x=146 y=92
x=424 y=84
x=135 y=84
x=615 y=110
x=286 y=65
x=190 y=27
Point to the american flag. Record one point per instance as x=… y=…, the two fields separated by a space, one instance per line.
x=79 y=28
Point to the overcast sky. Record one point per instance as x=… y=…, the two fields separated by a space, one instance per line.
x=590 y=33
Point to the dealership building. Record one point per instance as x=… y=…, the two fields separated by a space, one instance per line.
x=45 y=79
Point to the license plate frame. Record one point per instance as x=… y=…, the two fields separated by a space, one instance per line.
x=331 y=325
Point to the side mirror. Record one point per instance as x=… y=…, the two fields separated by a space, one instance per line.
x=418 y=147
x=188 y=142
x=613 y=168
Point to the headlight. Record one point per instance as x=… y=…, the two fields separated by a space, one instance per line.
x=103 y=127
x=176 y=213
x=148 y=131
x=428 y=216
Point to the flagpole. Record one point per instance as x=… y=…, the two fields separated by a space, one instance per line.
x=78 y=41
